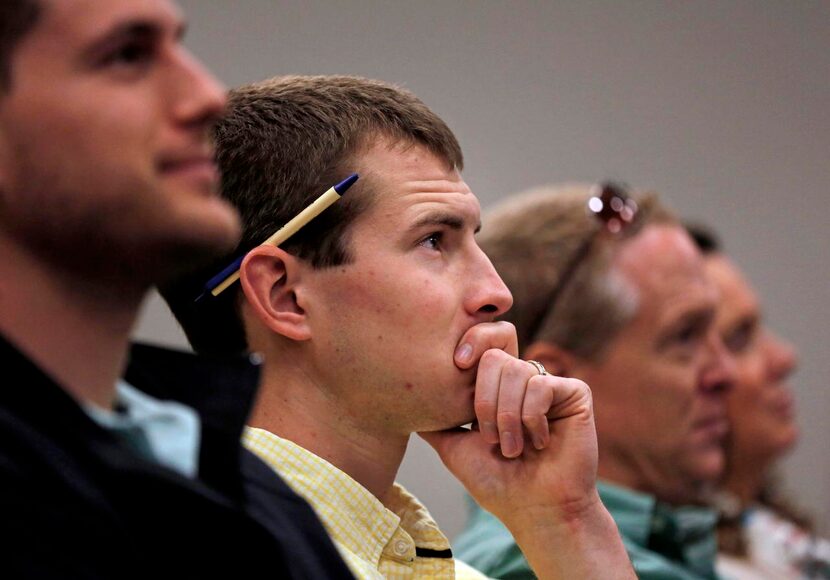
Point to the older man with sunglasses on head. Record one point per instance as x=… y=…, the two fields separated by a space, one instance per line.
x=610 y=289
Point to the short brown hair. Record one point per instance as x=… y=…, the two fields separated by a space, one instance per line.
x=532 y=237
x=281 y=144
x=17 y=18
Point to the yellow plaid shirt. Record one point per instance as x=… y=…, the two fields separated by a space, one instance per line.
x=376 y=542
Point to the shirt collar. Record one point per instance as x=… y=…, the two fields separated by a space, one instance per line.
x=632 y=510
x=164 y=431
x=355 y=518
x=688 y=531
x=220 y=389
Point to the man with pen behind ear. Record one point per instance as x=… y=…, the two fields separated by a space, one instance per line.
x=376 y=321
x=107 y=186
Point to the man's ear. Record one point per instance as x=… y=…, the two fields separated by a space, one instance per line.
x=270 y=278
x=557 y=360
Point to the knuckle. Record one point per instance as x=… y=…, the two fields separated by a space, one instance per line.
x=532 y=420
x=539 y=383
x=539 y=393
x=541 y=387
x=516 y=367
x=582 y=386
x=505 y=326
x=507 y=417
x=491 y=356
x=484 y=407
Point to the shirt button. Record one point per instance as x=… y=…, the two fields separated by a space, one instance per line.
x=401 y=547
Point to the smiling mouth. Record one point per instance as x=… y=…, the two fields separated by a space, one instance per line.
x=200 y=168
x=195 y=164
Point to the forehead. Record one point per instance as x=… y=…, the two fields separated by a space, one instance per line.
x=74 y=22
x=410 y=184
x=736 y=295
x=667 y=269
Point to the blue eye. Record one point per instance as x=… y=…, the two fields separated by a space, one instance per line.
x=432 y=241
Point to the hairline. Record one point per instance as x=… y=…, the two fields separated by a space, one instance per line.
x=616 y=286
x=369 y=139
x=599 y=286
x=27 y=25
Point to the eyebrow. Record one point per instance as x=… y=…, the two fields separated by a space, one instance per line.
x=699 y=317
x=747 y=321
x=138 y=28
x=449 y=220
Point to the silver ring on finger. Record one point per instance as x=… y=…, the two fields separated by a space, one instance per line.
x=539 y=367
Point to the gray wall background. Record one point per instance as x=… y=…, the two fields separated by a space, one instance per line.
x=721 y=106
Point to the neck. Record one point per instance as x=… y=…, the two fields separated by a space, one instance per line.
x=77 y=331
x=668 y=488
x=745 y=478
x=295 y=407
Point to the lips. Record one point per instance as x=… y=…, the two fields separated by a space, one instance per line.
x=783 y=404
x=715 y=426
x=198 y=166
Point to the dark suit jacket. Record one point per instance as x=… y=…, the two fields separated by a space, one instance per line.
x=75 y=502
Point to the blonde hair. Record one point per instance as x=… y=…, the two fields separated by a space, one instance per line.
x=532 y=237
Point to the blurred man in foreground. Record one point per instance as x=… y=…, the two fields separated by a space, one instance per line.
x=107 y=186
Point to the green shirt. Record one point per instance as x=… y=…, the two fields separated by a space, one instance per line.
x=663 y=542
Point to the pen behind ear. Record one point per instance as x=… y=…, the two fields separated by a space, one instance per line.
x=230 y=274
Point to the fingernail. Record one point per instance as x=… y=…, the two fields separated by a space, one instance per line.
x=538 y=441
x=464 y=352
x=509 y=447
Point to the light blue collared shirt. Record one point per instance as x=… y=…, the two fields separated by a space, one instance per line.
x=166 y=432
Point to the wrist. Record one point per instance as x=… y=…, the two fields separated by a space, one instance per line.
x=577 y=542
x=575 y=516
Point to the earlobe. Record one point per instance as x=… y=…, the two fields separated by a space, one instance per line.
x=557 y=361
x=270 y=278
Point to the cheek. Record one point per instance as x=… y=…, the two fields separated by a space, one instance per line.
x=364 y=294
x=748 y=416
x=748 y=395
x=752 y=422
x=750 y=379
x=118 y=150
x=407 y=302
x=670 y=385
x=743 y=397
x=675 y=401
x=429 y=298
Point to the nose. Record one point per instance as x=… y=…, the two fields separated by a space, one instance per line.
x=720 y=372
x=781 y=357
x=200 y=97
x=488 y=297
